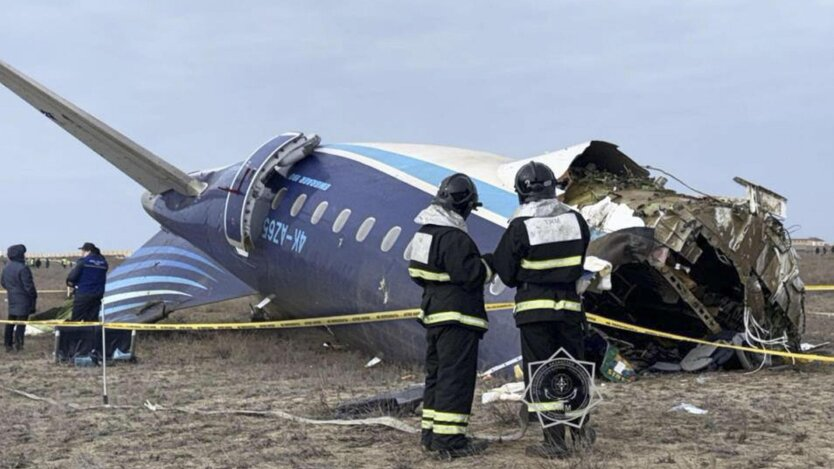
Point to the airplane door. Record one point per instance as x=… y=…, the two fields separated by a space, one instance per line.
x=247 y=198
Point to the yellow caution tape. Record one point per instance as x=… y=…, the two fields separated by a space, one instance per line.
x=807 y=288
x=282 y=324
x=603 y=321
x=3 y=292
x=399 y=315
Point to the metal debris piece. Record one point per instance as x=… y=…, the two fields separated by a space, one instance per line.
x=689 y=408
x=695 y=265
x=397 y=402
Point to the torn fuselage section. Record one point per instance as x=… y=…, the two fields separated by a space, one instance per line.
x=697 y=266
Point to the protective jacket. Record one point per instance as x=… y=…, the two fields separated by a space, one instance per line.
x=17 y=280
x=447 y=264
x=89 y=275
x=542 y=255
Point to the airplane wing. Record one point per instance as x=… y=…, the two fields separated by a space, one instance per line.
x=167 y=273
x=149 y=170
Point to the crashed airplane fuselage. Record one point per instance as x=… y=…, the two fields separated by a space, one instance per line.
x=318 y=230
x=699 y=266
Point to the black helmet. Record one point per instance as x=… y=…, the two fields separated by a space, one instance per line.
x=458 y=194
x=535 y=181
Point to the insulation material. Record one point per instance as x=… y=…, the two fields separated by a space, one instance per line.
x=609 y=216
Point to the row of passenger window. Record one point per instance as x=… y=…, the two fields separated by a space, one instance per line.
x=362 y=233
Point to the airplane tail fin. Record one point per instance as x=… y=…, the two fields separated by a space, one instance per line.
x=167 y=273
x=149 y=170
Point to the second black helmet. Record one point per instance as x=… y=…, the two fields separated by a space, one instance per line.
x=535 y=181
x=458 y=194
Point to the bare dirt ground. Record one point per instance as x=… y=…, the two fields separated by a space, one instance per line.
x=766 y=419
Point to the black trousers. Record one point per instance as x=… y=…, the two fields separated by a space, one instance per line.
x=14 y=333
x=86 y=307
x=451 y=367
x=540 y=340
x=82 y=341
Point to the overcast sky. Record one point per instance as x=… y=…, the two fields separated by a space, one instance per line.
x=704 y=89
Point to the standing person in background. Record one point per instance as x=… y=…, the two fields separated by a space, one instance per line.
x=86 y=281
x=21 y=295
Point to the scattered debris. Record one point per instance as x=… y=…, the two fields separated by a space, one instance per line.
x=399 y=402
x=806 y=347
x=513 y=392
x=616 y=368
x=686 y=407
x=488 y=373
x=665 y=367
x=373 y=362
x=698 y=358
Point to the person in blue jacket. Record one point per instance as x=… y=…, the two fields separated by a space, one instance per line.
x=86 y=281
x=22 y=295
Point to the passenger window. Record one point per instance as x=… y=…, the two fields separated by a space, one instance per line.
x=341 y=220
x=390 y=238
x=318 y=213
x=279 y=197
x=298 y=204
x=365 y=229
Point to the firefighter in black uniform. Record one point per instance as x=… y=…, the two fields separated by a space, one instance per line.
x=542 y=255
x=447 y=264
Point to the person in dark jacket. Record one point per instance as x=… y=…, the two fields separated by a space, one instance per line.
x=542 y=254
x=21 y=295
x=445 y=261
x=86 y=281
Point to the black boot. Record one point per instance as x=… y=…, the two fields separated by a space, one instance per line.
x=19 y=334
x=425 y=440
x=583 y=437
x=471 y=447
x=553 y=446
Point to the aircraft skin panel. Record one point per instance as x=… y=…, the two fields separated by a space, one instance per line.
x=604 y=154
x=499 y=204
x=479 y=164
x=169 y=271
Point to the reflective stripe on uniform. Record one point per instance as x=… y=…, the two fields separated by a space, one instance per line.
x=449 y=430
x=435 y=318
x=427 y=275
x=450 y=417
x=548 y=304
x=428 y=419
x=551 y=263
x=545 y=406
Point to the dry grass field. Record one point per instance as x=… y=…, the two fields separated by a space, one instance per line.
x=772 y=418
